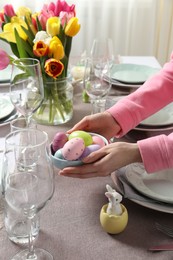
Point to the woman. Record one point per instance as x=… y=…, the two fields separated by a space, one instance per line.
x=156 y=152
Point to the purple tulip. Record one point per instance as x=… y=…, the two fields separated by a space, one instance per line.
x=4 y=59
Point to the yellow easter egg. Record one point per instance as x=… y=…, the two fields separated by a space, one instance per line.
x=82 y=134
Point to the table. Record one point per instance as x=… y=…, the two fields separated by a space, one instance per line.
x=70 y=227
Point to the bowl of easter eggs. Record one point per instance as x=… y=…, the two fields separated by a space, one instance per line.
x=68 y=150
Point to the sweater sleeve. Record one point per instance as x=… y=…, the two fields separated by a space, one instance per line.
x=157 y=152
x=153 y=95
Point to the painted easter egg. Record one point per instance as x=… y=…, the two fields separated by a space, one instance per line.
x=98 y=140
x=59 y=140
x=73 y=149
x=82 y=134
x=58 y=154
x=89 y=149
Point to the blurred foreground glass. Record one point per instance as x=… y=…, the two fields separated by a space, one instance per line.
x=21 y=123
x=26 y=160
x=97 y=83
x=26 y=86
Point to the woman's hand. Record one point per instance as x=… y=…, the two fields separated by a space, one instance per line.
x=101 y=123
x=104 y=161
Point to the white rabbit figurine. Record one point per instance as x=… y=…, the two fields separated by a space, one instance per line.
x=114 y=206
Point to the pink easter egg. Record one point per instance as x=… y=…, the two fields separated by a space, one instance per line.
x=89 y=149
x=59 y=140
x=98 y=140
x=73 y=149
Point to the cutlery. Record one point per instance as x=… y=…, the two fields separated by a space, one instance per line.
x=162 y=247
x=164 y=229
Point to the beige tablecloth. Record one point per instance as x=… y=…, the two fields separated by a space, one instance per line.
x=70 y=226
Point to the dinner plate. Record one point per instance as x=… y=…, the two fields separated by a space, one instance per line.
x=6 y=107
x=163 y=117
x=166 y=208
x=5 y=75
x=158 y=185
x=132 y=73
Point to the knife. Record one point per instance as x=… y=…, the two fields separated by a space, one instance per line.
x=162 y=247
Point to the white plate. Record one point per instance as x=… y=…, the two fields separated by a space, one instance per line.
x=132 y=73
x=6 y=107
x=166 y=208
x=158 y=185
x=162 y=118
x=5 y=75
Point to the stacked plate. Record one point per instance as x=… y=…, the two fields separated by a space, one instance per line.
x=154 y=190
x=129 y=77
x=159 y=123
x=5 y=76
x=7 y=110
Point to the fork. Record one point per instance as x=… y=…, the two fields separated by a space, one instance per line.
x=164 y=229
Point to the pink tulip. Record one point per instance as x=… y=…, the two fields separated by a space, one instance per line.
x=1 y=18
x=44 y=15
x=4 y=59
x=62 y=6
x=9 y=10
x=65 y=17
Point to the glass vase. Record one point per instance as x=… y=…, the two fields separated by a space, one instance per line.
x=57 y=106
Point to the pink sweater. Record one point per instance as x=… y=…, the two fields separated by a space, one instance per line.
x=154 y=94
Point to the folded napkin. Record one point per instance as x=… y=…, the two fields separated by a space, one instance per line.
x=125 y=188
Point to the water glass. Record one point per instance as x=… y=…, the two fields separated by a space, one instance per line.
x=20 y=123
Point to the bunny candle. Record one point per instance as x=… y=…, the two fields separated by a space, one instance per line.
x=113 y=216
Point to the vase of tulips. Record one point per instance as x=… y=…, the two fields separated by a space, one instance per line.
x=46 y=36
x=57 y=106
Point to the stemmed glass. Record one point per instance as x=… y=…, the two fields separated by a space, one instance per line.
x=26 y=86
x=97 y=76
x=28 y=181
x=102 y=48
x=97 y=83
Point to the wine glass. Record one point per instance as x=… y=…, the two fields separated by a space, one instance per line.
x=28 y=182
x=26 y=86
x=102 y=48
x=97 y=83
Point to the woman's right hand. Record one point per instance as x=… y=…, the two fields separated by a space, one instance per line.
x=101 y=123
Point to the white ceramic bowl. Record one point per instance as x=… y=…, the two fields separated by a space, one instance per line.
x=61 y=163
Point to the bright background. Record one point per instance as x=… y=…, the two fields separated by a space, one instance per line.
x=137 y=27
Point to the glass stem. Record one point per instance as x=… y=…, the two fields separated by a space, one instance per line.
x=98 y=105
x=28 y=120
x=31 y=254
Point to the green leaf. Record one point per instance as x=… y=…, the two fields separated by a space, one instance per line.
x=7 y=18
x=14 y=49
x=20 y=45
x=28 y=31
x=19 y=77
x=29 y=49
x=39 y=27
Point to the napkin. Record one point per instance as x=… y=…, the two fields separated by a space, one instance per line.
x=125 y=188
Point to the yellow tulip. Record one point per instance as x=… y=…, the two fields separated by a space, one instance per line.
x=53 y=26
x=23 y=12
x=56 y=49
x=40 y=49
x=72 y=27
x=53 y=68
x=8 y=30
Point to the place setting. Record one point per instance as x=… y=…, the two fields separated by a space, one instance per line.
x=160 y=122
x=7 y=110
x=129 y=76
x=151 y=190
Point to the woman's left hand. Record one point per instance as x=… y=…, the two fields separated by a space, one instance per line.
x=104 y=161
